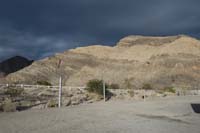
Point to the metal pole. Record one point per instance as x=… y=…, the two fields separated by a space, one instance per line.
x=60 y=93
x=104 y=91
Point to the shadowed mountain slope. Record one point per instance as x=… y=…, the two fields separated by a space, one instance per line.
x=13 y=64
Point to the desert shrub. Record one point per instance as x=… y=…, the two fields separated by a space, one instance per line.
x=169 y=89
x=131 y=93
x=160 y=91
x=14 y=92
x=44 y=83
x=147 y=86
x=52 y=103
x=8 y=106
x=96 y=86
x=128 y=84
x=1 y=107
x=114 y=86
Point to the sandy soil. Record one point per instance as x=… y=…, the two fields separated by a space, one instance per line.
x=167 y=115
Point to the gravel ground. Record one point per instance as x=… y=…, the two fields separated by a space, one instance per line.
x=166 y=115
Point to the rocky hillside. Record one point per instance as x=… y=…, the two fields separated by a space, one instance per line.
x=13 y=64
x=134 y=61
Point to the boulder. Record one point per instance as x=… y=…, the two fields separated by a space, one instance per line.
x=66 y=102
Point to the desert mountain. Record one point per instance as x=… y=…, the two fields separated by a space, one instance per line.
x=13 y=64
x=134 y=61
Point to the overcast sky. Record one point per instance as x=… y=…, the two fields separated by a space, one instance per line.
x=39 y=28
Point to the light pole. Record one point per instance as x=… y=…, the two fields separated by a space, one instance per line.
x=60 y=86
x=60 y=92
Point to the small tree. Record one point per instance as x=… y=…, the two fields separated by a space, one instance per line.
x=96 y=86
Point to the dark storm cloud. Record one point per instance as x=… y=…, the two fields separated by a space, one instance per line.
x=38 y=28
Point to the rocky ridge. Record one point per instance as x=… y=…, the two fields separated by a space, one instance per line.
x=134 y=61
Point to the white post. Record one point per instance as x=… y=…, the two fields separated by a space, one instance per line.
x=60 y=93
x=104 y=91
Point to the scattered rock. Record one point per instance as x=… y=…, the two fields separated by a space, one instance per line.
x=67 y=102
x=90 y=101
x=78 y=99
x=52 y=103
x=68 y=94
x=39 y=106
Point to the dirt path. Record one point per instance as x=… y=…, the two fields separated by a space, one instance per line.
x=167 y=115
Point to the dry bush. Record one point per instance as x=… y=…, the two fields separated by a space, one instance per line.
x=52 y=103
x=128 y=84
x=169 y=89
x=1 y=107
x=96 y=86
x=14 y=92
x=131 y=93
x=44 y=83
x=8 y=106
x=147 y=86
x=114 y=86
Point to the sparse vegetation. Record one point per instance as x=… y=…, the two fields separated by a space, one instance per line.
x=8 y=106
x=44 y=83
x=52 y=103
x=14 y=92
x=1 y=107
x=147 y=86
x=114 y=86
x=169 y=89
x=131 y=93
x=96 y=86
x=128 y=84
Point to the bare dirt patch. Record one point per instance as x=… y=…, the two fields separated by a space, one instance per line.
x=166 y=115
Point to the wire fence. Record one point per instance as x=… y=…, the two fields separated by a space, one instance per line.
x=29 y=96
x=53 y=91
x=49 y=96
x=180 y=90
x=26 y=86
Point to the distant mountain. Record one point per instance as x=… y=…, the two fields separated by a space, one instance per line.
x=133 y=62
x=13 y=64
